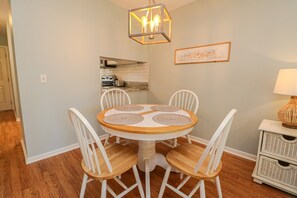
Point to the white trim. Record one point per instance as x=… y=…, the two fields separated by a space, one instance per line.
x=227 y=149
x=17 y=118
x=8 y=68
x=24 y=150
x=103 y=137
x=52 y=153
x=56 y=152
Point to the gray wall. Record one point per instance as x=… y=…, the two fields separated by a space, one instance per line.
x=64 y=40
x=263 y=39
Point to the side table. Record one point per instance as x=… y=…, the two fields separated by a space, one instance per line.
x=276 y=163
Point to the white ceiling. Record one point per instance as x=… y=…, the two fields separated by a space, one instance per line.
x=170 y=4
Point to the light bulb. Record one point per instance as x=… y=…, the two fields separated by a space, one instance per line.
x=152 y=25
x=156 y=22
x=144 y=23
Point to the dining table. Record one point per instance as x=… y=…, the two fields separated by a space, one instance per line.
x=147 y=123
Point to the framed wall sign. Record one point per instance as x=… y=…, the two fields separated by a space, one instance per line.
x=218 y=52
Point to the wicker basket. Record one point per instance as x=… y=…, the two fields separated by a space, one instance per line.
x=282 y=146
x=278 y=171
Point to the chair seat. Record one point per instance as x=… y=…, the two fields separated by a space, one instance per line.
x=185 y=157
x=122 y=158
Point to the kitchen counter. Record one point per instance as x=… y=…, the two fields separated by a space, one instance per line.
x=137 y=91
x=127 y=89
x=130 y=86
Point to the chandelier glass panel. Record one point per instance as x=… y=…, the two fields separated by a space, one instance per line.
x=150 y=24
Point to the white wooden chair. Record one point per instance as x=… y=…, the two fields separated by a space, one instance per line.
x=199 y=163
x=103 y=163
x=184 y=99
x=113 y=98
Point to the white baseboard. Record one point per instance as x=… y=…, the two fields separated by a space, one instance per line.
x=56 y=152
x=24 y=150
x=17 y=118
x=227 y=149
x=102 y=137
x=52 y=153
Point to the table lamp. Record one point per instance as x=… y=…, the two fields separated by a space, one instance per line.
x=286 y=84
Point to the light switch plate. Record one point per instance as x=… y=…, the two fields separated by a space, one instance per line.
x=43 y=78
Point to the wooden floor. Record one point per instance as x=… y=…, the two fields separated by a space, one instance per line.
x=61 y=176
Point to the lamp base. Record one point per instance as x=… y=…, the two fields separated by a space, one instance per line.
x=288 y=114
x=288 y=126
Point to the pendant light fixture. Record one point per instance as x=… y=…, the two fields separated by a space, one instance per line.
x=150 y=24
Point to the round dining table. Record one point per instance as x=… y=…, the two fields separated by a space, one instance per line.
x=147 y=124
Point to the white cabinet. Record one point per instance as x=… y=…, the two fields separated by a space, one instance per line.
x=277 y=157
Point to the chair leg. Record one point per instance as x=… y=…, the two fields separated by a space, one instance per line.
x=189 y=139
x=147 y=179
x=107 y=139
x=181 y=176
x=163 y=186
x=219 y=189
x=174 y=142
x=202 y=189
x=103 y=189
x=83 y=186
x=136 y=175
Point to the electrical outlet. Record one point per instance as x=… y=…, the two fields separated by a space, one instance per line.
x=43 y=78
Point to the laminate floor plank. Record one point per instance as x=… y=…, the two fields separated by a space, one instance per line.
x=61 y=175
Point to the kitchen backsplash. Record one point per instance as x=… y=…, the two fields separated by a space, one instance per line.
x=133 y=73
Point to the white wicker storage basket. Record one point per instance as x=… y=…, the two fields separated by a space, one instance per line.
x=280 y=145
x=277 y=171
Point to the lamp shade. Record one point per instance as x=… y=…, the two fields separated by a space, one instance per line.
x=286 y=82
x=150 y=24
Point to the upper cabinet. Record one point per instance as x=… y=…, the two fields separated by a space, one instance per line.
x=107 y=62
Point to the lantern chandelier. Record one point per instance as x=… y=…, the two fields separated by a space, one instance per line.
x=150 y=24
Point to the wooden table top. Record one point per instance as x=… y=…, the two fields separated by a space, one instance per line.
x=147 y=114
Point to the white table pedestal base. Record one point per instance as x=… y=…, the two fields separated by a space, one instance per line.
x=147 y=151
x=147 y=161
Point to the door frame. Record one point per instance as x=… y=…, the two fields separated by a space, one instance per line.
x=9 y=76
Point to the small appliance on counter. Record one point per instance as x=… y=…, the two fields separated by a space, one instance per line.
x=119 y=83
x=108 y=80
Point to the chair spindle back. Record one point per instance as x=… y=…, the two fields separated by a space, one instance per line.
x=113 y=98
x=215 y=147
x=185 y=99
x=87 y=139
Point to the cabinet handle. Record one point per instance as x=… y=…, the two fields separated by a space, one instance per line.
x=282 y=164
x=288 y=139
